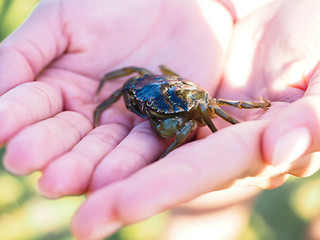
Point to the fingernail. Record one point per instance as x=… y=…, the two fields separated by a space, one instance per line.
x=291 y=145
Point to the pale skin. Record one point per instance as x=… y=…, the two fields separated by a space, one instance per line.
x=51 y=66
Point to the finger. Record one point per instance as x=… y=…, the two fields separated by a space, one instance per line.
x=295 y=131
x=32 y=46
x=306 y=166
x=191 y=170
x=35 y=146
x=96 y=219
x=27 y=104
x=141 y=147
x=71 y=173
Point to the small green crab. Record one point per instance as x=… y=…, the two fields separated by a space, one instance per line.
x=174 y=106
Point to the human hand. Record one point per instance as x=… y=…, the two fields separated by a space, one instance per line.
x=50 y=69
x=282 y=63
x=273 y=54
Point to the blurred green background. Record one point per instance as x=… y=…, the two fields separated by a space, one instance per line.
x=284 y=213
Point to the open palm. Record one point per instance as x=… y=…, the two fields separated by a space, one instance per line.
x=56 y=60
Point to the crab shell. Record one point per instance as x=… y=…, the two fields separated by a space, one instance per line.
x=155 y=96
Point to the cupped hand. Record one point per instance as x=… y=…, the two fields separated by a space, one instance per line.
x=50 y=69
x=274 y=53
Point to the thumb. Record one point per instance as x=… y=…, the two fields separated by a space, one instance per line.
x=294 y=132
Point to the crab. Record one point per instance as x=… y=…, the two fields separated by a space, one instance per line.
x=173 y=105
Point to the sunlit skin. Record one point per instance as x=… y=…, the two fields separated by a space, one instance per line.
x=51 y=66
x=173 y=105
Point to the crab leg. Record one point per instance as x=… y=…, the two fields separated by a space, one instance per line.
x=224 y=115
x=206 y=117
x=181 y=136
x=121 y=73
x=104 y=105
x=165 y=70
x=245 y=104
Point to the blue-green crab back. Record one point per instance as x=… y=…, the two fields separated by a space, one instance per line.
x=165 y=94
